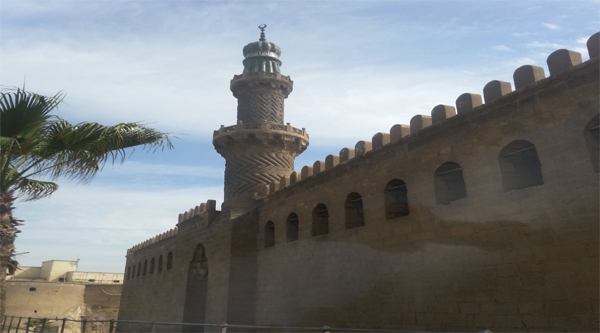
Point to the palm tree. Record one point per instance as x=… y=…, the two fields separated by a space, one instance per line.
x=35 y=144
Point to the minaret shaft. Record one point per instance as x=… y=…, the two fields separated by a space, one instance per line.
x=260 y=149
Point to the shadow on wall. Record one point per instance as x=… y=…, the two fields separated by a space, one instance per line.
x=498 y=275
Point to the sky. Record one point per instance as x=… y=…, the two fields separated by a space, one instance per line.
x=358 y=67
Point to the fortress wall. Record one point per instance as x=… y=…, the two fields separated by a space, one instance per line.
x=147 y=296
x=161 y=296
x=523 y=259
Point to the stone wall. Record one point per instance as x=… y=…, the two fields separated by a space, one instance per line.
x=500 y=259
x=161 y=296
x=45 y=300
x=483 y=216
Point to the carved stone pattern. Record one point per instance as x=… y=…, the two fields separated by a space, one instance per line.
x=245 y=173
x=261 y=108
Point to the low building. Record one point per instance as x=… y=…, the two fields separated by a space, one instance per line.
x=57 y=290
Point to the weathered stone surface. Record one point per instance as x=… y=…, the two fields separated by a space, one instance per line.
x=331 y=161
x=496 y=89
x=307 y=171
x=442 y=112
x=593 y=45
x=562 y=60
x=380 y=139
x=362 y=147
x=526 y=75
x=399 y=131
x=318 y=166
x=346 y=154
x=419 y=122
x=467 y=102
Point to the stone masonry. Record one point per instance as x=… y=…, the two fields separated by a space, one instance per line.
x=481 y=215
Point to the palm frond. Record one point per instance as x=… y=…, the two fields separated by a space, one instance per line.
x=31 y=189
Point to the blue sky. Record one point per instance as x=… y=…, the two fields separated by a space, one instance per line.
x=358 y=67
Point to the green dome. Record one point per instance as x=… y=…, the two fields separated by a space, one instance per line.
x=262 y=56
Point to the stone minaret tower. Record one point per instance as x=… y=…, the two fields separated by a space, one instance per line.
x=260 y=148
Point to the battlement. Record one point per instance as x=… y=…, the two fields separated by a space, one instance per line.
x=208 y=209
x=209 y=206
x=165 y=235
x=526 y=78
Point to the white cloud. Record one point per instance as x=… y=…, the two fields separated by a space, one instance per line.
x=551 y=26
x=546 y=45
x=502 y=48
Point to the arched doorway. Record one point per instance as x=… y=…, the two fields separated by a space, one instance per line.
x=196 y=290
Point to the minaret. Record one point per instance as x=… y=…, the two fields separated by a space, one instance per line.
x=260 y=148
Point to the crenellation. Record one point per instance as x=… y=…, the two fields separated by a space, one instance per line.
x=331 y=161
x=380 y=139
x=346 y=154
x=419 y=122
x=398 y=131
x=495 y=89
x=593 y=45
x=526 y=75
x=284 y=181
x=442 y=112
x=362 y=147
x=295 y=177
x=561 y=60
x=318 y=167
x=307 y=171
x=153 y=240
x=467 y=102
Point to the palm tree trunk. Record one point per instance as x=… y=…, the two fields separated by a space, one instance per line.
x=8 y=234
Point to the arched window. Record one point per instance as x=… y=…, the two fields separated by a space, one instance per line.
x=520 y=166
x=133 y=272
x=128 y=272
x=395 y=196
x=449 y=183
x=139 y=268
x=355 y=216
x=152 y=266
x=145 y=267
x=169 y=260
x=320 y=220
x=269 y=234
x=160 y=260
x=592 y=140
x=292 y=227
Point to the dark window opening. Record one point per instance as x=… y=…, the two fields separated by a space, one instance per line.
x=133 y=272
x=139 y=268
x=116 y=281
x=269 y=234
x=160 y=263
x=320 y=220
x=449 y=183
x=292 y=227
x=152 y=266
x=128 y=272
x=592 y=140
x=145 y=267
x=91 y=280
x=395 y=197
x=32 y=289
x=61 y=279
x=519 y=166
x=354 y=211
x=169 y=260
